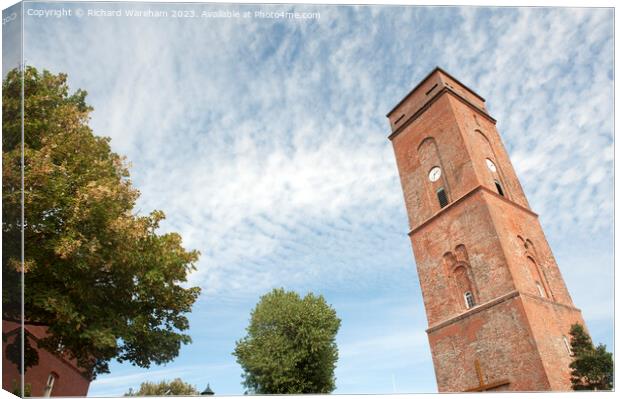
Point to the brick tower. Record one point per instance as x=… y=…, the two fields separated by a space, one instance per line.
x=497 y=307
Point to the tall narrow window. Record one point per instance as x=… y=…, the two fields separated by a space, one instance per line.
x=469 y=300
x=498 y=186
x=442 y=197
x=567 y=345
x=49 y=386
x=541 y=290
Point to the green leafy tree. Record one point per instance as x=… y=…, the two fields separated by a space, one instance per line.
x=17 y=390
x=290 y=346
x=97 y=274
x=162 y=388
x=592 y=368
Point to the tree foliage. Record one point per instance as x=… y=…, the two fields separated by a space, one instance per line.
x=163 y=388
x=592 y=368
x=17 y=389
x=98 y=275
x=290 y=346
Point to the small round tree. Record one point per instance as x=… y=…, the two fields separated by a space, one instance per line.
x=592 y=368
x=290 y=346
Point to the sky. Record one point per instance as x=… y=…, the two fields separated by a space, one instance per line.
x=265 y=143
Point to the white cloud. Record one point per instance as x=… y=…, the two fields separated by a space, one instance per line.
x=252 y=146
x=265 y=142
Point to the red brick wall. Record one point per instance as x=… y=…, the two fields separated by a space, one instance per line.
x=438 y=123
x=467 y=223
x=550 y=321
x=471 y=126
x=69 y=382
x=512 y=223
x=435 y=82
x=499 y=337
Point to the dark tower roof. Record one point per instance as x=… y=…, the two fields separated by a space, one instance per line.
x=207 y=391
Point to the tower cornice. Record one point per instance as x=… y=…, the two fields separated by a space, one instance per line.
x=455 y=203
x=474 y=310
x=436 y=97
x=431 y=73
x=493 y=302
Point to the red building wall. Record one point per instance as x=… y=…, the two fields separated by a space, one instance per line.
x=69 y=380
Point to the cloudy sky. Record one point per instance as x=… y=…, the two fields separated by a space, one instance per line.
x=265 y=143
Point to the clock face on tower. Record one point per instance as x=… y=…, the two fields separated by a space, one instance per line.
x=434 y=174
x=491 y=166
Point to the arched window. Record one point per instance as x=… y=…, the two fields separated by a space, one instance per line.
x=541 y=290
x=567 y=345
x=499 y=188
x=464 y=284
x=463 y=290
x=469 y=300
x=442 y=197
x=529 y=247
x=536 y=277
x=49 y=385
